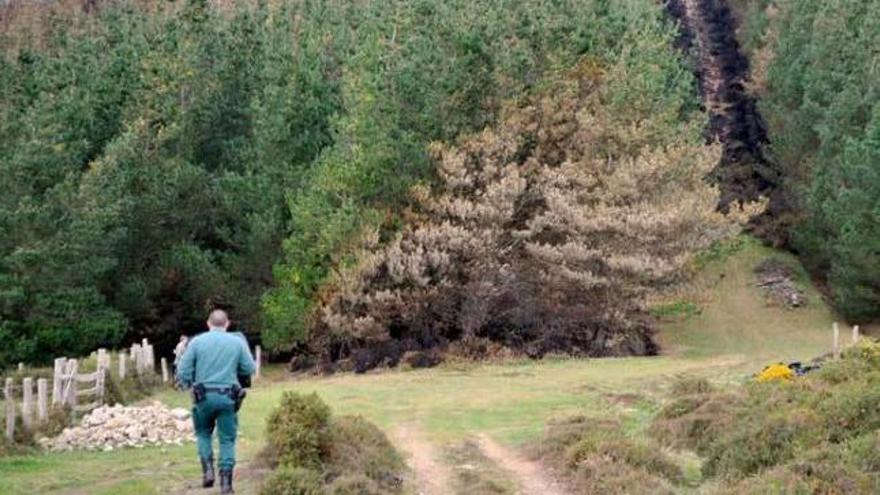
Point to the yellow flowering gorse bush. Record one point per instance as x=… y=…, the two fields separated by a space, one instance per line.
x=775 y=372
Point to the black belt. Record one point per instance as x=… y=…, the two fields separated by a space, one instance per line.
x=234 y=392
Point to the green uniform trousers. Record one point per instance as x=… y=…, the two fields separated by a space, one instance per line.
x=217 y=409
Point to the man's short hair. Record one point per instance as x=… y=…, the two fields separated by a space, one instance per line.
x=218 y=319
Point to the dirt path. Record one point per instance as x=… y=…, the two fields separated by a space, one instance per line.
x=246 y=481
x=531 y=477
x=431 y=475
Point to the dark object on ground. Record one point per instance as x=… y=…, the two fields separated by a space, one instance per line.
x=777 y=279
x=300 y=362
x=422 y=359
x=801 y=370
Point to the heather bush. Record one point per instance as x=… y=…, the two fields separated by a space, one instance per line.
x=755 y=444
x=695 y=415
x=597 y=457
x=816 y=433
x=360 y=458
x=287 y=480
x=314 y=453
x=297 y=431
x=827 y=470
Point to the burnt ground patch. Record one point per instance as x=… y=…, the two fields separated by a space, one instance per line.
x=707 y=34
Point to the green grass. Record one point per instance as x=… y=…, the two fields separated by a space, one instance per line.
x=736 y=320
x=733 y=335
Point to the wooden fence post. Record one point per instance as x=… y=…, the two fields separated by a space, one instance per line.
x=57 y=384
x=99 y=385
x=164 y=370
x=20 y=367
x=855 y=335
x=122 y=365
x=27 y=402
x=836 y=344
x=136 y=358
x=258 y=360
x=70 y=384
x=10 y=409
x=102 y=358
x=42 y=399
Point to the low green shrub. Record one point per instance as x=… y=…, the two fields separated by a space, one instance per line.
x=618 y=449
x=851 y=410
x=354 y=484
x=288 y=480
x=864 y=452
x=314 y=453
x=827 y=470
x=810 y=434
x=689 y=385
x=599 y=475
x=358 y=446
x=599 y=458
x=695 y=416
x=757 y=444
x=57 y=420
x=297 y=431
x=561 y=435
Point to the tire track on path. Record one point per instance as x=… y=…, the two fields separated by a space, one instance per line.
x=431 y=475
x=532 y=478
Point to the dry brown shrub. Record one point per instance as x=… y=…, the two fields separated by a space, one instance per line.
x=543 y=234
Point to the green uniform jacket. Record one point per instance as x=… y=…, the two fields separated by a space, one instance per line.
x=214 y=359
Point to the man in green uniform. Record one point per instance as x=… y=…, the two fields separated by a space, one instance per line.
x=211 y=365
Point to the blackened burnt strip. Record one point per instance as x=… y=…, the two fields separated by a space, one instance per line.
x=708 y=33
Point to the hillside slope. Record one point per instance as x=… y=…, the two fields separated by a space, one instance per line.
x=734 y=335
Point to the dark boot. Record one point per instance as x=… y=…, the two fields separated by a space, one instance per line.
x=207 y=472
x=226 y=481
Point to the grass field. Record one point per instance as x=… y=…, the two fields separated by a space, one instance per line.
x=726 y=330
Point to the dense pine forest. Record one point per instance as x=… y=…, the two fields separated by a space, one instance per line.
x=356 y=179
x=815 y=70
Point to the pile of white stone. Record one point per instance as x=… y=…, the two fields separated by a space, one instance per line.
x=111 y=427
